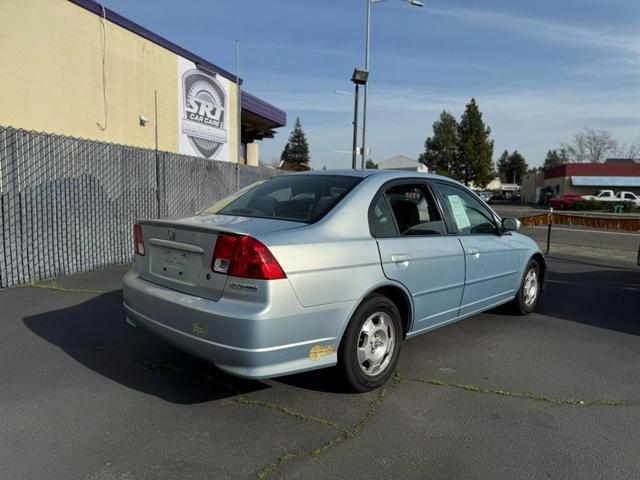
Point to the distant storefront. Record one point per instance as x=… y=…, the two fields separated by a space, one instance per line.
x=402 y=162
x=581 y=179
x=74 y=68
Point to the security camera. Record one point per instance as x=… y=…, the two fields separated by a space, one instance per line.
x=143 y=120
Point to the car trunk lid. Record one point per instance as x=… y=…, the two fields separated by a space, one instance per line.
x=178 y=253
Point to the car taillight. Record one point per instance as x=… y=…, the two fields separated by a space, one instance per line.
x=244 y=256
x=138 y=240
x=223 y=253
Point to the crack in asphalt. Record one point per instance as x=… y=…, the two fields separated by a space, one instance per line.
x=374 y=405
x=287 y=411
x=344 y=434
x=239 y=397
x=525 y=395
x=397 y=381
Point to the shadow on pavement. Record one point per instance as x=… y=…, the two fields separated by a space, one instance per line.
x=326 y=380
x=95 y=334
x=607 y=298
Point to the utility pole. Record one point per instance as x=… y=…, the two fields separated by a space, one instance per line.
x=354 y=155
x=366 y=86
x=415 y=3
x=238 y=104
x=359 y=77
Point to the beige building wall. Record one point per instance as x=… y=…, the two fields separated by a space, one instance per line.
x=530 y=182
x=253 y=154
x=562 y=184
x=51 y=77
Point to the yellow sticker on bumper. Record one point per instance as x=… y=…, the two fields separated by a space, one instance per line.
x=318 y=351
x=199 y=329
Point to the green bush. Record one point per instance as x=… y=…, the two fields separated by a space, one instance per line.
x=590 y=205
x=586 y=205
x=628 y=207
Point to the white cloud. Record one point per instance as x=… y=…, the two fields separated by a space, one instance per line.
x=562 y=33
x=531 y=121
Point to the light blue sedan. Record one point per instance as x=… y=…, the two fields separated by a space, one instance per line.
x=318 y=269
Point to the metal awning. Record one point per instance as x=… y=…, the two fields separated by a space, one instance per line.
x=605 y=181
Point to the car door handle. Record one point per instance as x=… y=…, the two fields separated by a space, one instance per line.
x=400 y=258
x=474 y=252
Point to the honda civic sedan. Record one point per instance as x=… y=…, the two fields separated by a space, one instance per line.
x=317 y=269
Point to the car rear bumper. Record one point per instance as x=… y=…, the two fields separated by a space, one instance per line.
x=243 y=338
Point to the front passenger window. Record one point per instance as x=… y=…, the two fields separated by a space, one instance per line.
x=467 y=213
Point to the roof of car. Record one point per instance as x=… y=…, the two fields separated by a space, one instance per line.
x=390 y=174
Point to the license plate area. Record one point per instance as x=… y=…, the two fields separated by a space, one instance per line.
x=176 y=264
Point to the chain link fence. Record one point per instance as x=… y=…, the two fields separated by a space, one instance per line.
x=67 y=205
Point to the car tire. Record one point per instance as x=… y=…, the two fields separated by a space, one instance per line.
x=529 y=291
x=370 y=346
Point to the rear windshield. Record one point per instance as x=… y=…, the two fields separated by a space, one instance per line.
x=300 y=198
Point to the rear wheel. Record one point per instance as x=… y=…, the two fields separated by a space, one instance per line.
x=370 y=346
x=529 y=292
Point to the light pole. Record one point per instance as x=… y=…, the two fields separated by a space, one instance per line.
x=414 y=3
x=359 y=77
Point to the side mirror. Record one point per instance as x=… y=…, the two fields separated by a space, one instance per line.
x=510 y=224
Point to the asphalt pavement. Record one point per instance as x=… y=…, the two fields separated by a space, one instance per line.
x=595 y=244
x=551 y=395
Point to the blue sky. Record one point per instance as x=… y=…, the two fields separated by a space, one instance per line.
x=540 y=71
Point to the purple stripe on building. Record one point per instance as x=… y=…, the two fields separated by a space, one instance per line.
x=125 y=23
x=255 y=105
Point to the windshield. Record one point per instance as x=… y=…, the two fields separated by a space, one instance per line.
x=300 y=198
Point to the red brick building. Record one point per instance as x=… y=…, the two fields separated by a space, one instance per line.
x=581 y=179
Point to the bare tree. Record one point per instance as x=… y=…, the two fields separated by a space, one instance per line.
x=591 y=146
x=630 y=151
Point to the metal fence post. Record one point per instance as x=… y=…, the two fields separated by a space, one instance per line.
x=550 y=221
x=11 y=188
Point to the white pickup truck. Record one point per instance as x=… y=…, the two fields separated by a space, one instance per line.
x=610 y=196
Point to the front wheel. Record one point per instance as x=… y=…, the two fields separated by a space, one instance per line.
x=370 y=346
x=529 y=292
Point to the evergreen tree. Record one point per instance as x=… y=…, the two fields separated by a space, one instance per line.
x=370 y=164
x=512 y=167
x=555 y=159
x=503 y=165
x=295 y=155
x=517 y=168
x=441 y=150
x=285 y=153
x=475 y=149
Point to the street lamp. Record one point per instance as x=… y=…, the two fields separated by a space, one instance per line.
x=359 y=77
x=414 y=3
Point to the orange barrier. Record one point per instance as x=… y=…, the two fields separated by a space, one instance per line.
x=610 y=223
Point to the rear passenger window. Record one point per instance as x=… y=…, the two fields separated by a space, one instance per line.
x=415 y=211
x=382 y=220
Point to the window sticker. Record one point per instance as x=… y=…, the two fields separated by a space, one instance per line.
x=459 y=212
